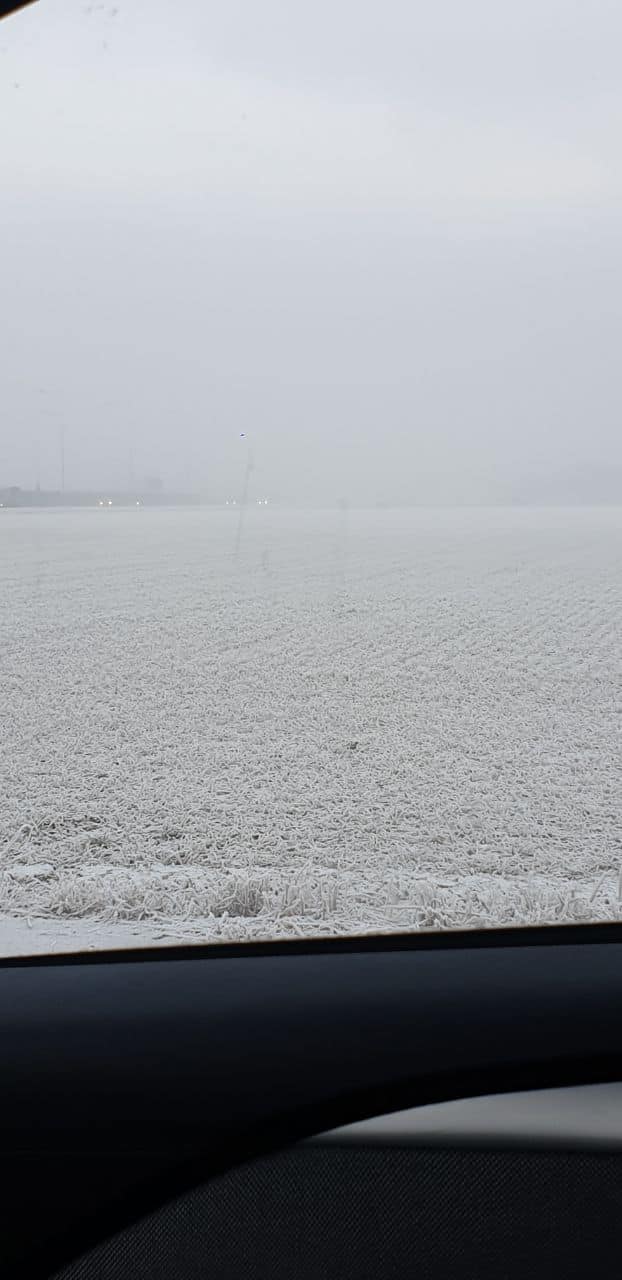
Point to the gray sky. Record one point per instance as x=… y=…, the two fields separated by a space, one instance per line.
x=383 y=239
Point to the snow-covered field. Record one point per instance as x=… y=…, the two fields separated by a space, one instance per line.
x=356 y=720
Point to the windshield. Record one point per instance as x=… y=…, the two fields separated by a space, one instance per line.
x=310 y=469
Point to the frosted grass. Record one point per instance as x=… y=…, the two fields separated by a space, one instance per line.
x=363 y=720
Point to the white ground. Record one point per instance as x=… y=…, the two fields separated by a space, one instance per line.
x=361 y=720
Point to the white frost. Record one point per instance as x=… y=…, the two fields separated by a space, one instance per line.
x=362 y=720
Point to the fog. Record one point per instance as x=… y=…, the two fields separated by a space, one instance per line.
x=383 y=241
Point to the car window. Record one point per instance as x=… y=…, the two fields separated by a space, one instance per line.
x=310 y=469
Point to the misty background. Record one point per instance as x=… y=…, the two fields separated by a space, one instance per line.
x=381 y=240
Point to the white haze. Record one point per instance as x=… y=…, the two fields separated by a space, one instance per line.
x=382 y=240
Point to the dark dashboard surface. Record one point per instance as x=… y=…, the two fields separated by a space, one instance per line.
x=131 y=1080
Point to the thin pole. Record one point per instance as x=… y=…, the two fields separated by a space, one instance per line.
x=244 y=498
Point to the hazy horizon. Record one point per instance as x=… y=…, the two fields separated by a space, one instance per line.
x=188 y=497
x=384 y=244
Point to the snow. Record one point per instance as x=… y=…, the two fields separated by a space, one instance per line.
x=358 y=720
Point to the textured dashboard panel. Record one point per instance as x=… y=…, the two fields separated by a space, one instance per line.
x=318 y=1212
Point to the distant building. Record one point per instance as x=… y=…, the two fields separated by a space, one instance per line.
x=11 y=496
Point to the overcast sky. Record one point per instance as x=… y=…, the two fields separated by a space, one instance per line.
x=382 y=239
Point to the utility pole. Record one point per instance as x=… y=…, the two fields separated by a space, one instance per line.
x=244 y=500
x=62 y=459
